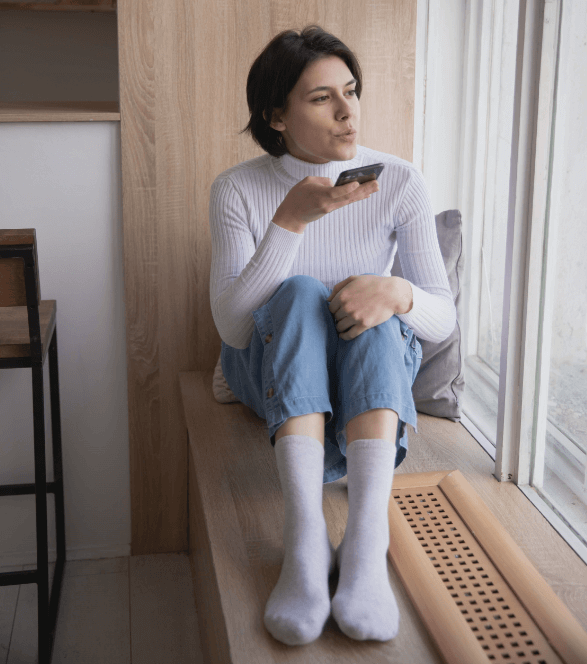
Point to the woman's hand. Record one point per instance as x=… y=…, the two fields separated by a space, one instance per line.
x=313 y=197
x=361 y=302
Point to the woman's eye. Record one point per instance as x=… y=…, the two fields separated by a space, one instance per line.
x=354 y=92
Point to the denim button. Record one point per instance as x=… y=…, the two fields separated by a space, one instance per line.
x=268 y=338
x=270 y=392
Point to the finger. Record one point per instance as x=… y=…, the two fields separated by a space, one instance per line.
x=352 y=333
x=345 y=324
x=318 y=179
x=344 y=190
x=370 y=187
x=357 y=194
x=332 y=295
x=338 y=287
x=347 y=335
x=367 y=186
x=334 y=292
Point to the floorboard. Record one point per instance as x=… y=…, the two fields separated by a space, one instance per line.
x=130 y=610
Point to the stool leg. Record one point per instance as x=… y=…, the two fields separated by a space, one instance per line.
x=41 y=514
x=58 y=485
x=57 y=453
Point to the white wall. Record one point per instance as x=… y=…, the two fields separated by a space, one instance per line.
x=64 y=180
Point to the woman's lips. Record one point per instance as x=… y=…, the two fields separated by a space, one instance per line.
x=348 y=138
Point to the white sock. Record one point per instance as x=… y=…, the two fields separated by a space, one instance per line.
x=364 y=605
x=299 y=605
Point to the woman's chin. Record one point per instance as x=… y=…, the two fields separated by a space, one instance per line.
x=348 y=151
x=341 y=152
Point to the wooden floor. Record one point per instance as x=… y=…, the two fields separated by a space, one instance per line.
x=137 y=610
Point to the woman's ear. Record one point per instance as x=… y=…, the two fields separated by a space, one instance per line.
x=275 y=122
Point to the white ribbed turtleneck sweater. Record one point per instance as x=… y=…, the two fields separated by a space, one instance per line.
x=252 y=256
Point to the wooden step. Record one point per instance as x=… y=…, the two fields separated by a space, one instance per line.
x=236 y=544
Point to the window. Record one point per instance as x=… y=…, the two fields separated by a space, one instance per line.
x=487 y=140
x=559 y=454
x=522 y=190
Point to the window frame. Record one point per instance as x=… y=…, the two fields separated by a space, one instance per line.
x=529 y=279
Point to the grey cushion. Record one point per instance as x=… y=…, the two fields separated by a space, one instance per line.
x=439 y=385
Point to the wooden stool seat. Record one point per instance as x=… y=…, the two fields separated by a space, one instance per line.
x=14 y=329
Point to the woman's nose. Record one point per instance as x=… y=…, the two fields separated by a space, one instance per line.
x=345 y=109
x=343 y=112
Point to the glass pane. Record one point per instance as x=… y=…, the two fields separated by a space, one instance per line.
x=486 y=262
x=565 y=449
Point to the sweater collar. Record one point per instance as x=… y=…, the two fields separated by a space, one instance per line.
x=292 y=170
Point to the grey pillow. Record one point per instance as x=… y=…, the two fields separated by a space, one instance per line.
x=439 y=385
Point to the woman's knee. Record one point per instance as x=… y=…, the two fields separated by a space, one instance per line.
x=303 y=286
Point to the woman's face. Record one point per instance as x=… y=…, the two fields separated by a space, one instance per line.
x=316 y=118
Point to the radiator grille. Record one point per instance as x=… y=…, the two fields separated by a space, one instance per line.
x=504 y=629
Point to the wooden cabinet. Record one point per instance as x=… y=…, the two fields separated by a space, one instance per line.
x=63 y=6
x=58 y=74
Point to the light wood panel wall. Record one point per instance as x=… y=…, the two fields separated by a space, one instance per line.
x=183 y=70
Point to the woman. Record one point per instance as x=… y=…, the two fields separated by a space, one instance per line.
x=312 y=323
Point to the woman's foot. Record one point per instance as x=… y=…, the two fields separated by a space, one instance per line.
x=364 y=605
x=299 y=605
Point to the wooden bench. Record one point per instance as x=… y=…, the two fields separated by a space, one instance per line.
x=236 y=534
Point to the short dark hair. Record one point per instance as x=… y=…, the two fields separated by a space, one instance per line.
x=276 y=71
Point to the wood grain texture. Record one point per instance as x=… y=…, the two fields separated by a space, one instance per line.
x=557 y=623
x=183 y=71
x=14 y=329
x=63 y=5
x=59 y=111
x=154 y=513
x=441 y=616
x=12 y=286
x=444 y=445
x=10 y=237
x=12 y=270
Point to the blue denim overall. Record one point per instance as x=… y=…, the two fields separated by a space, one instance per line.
x=296 y=364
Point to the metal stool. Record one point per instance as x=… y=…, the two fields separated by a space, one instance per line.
x=27 y=331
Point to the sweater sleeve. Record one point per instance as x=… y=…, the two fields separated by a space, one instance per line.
x=433 y=314
x=243 y=279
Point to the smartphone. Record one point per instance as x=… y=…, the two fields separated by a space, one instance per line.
x=360 y=175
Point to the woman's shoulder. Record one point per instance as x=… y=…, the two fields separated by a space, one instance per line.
x=392 y=162
x=245 y=170
x=398 y=174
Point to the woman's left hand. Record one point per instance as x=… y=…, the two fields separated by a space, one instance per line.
x=361 y=302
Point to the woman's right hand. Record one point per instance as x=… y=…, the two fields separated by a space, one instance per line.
x=313 y=197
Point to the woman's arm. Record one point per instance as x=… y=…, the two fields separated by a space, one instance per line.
x=243 y=278
x=432 y=315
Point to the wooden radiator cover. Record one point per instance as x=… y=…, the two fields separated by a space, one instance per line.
x=477 y=593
